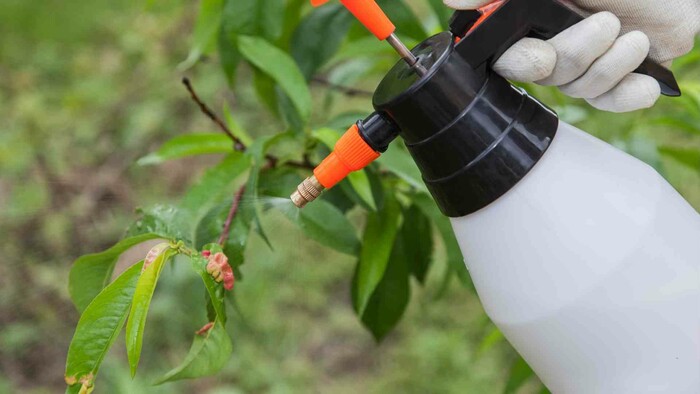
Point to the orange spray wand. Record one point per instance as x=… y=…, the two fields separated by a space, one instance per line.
x=352 y=152
x=376 y=21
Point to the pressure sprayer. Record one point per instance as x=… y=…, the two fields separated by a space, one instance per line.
x=585 y=258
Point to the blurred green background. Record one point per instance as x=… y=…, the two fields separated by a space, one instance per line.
x=88 y=88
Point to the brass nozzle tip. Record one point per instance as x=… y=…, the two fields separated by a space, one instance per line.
x=307 y=191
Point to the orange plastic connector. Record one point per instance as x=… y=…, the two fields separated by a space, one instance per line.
x=351 y=153
x=369 y=14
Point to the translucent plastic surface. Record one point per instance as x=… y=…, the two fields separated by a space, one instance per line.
x=591 y=268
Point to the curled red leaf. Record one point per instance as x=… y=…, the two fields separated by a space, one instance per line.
x=205 y=328
x=219 y=268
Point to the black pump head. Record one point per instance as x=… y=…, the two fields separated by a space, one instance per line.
x=472 y=134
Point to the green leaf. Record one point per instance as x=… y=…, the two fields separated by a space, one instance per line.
x=390 y=298
x=454 y=254
x=162 y=219
x=208 y=354
x=417 y=236
x=398 y=161
x=205 y=29
x=365 y=47
x=686 y=156
x=250 y=209
x=99 y=325
x=143 y=294
x=442 y=12
x=405 y=20
x=279 y=181
x=280 y=67
x=324 y=223
x=377 y=243
x=519 y=374
x=254 y=17
x=235 y=127
x=247 y=17
x=91 y=273
x=358 y=179
x=229 y=56
x=493 y=337
x=214 y=289
x=319 y=36
x=265 y=88
x=189 y=145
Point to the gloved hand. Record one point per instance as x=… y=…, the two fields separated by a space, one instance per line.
x=591 y=60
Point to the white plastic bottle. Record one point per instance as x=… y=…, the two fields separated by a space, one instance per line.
x=590 y=266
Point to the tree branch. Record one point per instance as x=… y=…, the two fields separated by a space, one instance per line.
x=237 y=143
x=346 y=90
x=231 y=214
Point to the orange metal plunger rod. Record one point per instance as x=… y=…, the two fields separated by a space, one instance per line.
x=376 y=21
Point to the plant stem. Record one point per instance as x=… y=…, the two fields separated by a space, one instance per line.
x=231 y=215
x=346 y=90
x=237 y=143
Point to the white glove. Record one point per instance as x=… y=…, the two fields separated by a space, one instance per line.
x=591 y=60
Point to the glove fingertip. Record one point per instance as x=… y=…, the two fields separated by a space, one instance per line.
x=635 y=92
x=528 y=60
x=465 y=4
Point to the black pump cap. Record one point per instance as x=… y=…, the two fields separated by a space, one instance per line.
x=472 y=134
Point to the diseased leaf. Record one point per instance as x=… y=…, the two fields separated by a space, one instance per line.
x=214 y=289
x=99 y=326
x=189 y=145
x=377 y=243
x=324 y=223
x=91 y=273
x=145 y=286
x=358 y=179
x=417 y=236
x=208 y=354
x=280 y=67
x=319 y=36
x=209 y=230
x=205 y=29
x=390 y=298
x=519 y=374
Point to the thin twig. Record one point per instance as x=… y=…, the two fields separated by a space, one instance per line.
x=238 y=144
x=272 y=160
x=231 y=214
x=346 y=90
